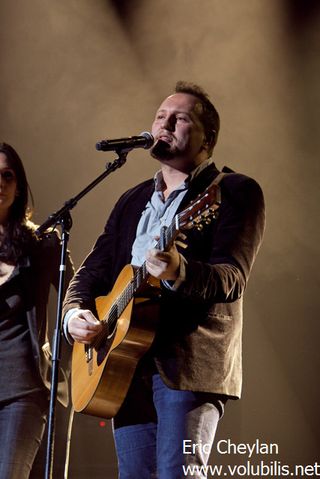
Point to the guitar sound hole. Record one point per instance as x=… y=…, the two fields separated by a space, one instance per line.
x=109 y=332
x=111 y=322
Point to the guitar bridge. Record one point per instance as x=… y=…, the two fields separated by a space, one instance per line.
x=89 y=358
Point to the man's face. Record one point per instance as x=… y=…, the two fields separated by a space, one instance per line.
x=177 y=123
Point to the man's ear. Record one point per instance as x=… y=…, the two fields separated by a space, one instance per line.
x=205 y=145
x=211 y=141
x=213 y=138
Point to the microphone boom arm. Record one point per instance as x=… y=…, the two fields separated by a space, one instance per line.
x=56 y=217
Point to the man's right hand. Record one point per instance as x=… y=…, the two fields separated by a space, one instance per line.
x=83 y=326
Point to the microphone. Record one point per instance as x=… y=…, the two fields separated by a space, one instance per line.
x=144 y=140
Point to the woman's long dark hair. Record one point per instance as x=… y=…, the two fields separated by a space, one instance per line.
x=18 y=235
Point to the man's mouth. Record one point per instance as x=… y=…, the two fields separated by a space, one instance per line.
x=165 y=137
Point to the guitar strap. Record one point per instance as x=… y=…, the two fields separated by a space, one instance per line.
x=225 y=171
x=218 y=178
x=216 y=182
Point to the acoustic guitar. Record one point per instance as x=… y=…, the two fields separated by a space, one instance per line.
x=102 y=371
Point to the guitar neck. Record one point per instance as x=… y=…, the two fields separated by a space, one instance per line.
x=141 y=275
x=199 y=211
x=166 y=240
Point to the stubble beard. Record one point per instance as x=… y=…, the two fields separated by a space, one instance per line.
x=162 y=151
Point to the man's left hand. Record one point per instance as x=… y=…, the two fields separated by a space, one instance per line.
x=163 y=264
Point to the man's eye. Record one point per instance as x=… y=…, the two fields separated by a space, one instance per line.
x=182 y=118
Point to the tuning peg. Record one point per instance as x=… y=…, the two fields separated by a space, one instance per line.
x=181 y=244
x=212 y=212
x=182 y=236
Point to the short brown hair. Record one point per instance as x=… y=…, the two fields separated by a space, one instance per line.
x=209 y=117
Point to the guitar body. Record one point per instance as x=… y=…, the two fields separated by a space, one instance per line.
x=101 y=376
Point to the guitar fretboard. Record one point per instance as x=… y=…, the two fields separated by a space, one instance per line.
x=167 y=236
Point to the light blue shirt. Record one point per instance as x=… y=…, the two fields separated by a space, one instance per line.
x=159 y=212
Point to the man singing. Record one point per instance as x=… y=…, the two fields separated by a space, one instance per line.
x=182 y=383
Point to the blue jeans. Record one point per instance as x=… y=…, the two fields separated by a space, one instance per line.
x=22 y=423
x=180 y=433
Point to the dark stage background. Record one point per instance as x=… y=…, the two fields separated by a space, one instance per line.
x=76 y=71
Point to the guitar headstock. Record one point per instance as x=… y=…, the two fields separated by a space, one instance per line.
x=201 y=211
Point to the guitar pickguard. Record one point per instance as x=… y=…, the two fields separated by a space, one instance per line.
x=104 y=347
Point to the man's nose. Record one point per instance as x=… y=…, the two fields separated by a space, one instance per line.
x=169 y=123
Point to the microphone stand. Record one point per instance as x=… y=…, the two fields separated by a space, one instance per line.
x=63 y=218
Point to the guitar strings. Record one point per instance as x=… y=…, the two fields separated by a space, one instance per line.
x=139 y=277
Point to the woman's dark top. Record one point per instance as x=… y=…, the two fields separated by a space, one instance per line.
x=19 y=373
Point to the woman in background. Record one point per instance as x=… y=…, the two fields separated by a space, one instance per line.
x=28 y=266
